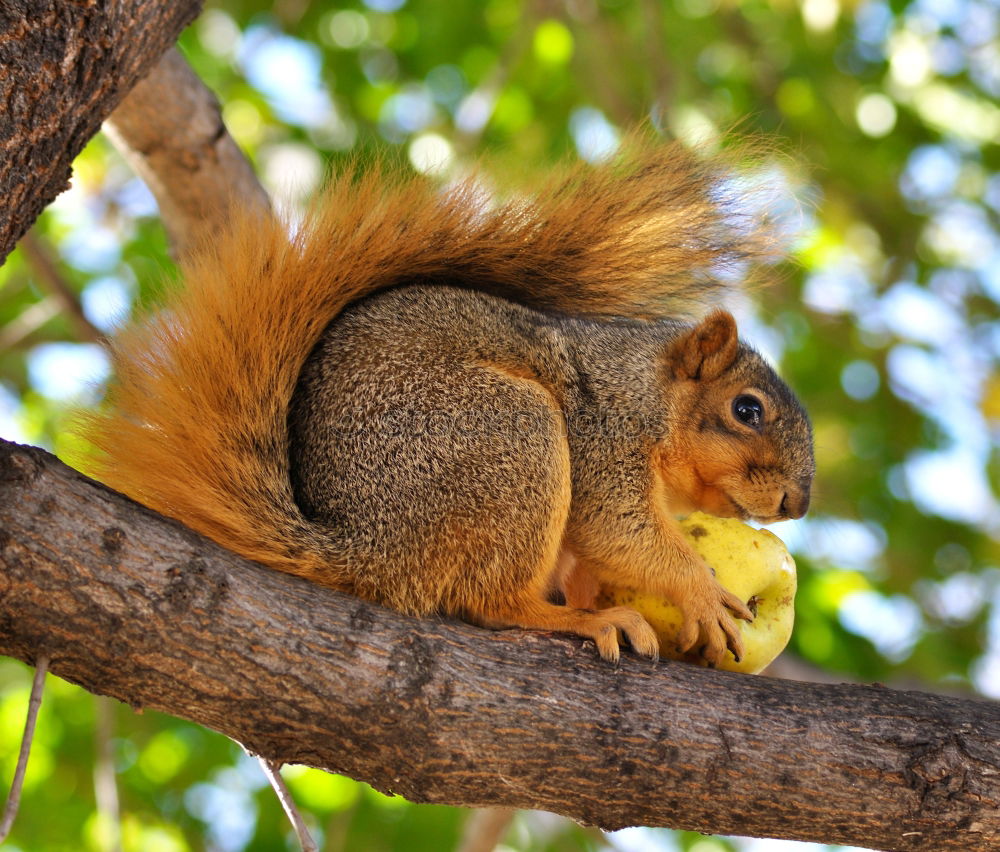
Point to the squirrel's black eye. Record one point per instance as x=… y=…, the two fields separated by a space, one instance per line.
x=748 y=409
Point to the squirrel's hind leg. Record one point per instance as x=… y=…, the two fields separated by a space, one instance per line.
x=513 y=557
x=540 y=559
x=602 y=626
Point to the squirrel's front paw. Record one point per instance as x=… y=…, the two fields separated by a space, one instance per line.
x=709 y=625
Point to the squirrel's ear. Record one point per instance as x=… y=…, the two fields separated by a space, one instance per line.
x=707 y=350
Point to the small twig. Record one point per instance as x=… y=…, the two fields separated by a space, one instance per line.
x=40 y=258
x=485 y=828
x=493 y=82
x=273 y=772
x=34 y=702
x=105 y=786
x=600 y=46
x=656 y=59
x=337 y=828
x=32 y=318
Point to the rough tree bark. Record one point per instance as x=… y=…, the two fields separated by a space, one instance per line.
x=134 y=606
x=64 y=66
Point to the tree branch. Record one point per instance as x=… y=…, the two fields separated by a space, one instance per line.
x=132 y=605
x=39 y=256
x=485 y=828
x=272 y=772
x=31 y=717
x=65 y=67
x=170 y=130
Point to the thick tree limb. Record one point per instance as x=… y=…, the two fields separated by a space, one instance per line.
x=134 y=606
x=170 y=130
x=63 y=67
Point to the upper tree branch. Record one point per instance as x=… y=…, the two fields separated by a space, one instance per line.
x=63 y=67
x=170 y=130
x=134 y=606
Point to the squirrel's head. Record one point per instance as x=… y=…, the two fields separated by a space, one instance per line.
x=739 y=443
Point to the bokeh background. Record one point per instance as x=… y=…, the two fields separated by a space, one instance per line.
x=884 y=319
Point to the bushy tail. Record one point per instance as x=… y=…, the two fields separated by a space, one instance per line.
x=195 y=425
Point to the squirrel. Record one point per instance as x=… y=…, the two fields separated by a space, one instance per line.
x=448 y=402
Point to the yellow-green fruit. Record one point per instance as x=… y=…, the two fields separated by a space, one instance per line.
x=752 y=564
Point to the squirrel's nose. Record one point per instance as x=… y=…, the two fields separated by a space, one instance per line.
x=794 y=503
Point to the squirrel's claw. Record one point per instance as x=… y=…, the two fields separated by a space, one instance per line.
x=719 y=636
x=739 y=607
x=689 y=633
x=734 y=639
x=641 y=636
x=715 y=629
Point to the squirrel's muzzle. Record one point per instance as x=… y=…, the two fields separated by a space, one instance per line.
x=795 y=502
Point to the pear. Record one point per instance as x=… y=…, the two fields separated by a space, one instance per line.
x=754 y=565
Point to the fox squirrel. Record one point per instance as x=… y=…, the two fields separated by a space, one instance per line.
x=450 y=404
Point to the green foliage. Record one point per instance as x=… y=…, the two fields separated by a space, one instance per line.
x=885 y=322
